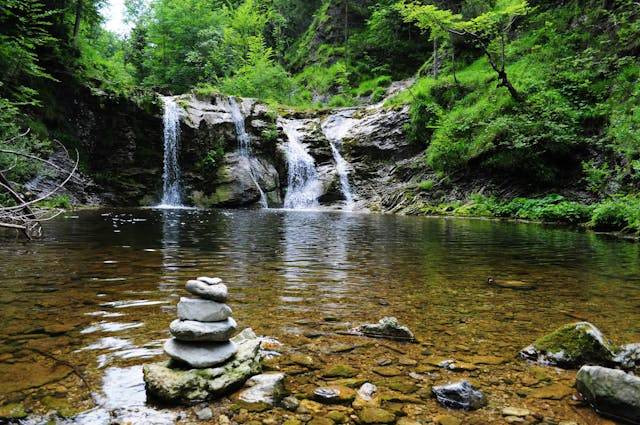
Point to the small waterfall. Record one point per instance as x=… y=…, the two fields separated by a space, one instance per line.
x=171 y=187
x=304 y=187
x=335 y=128
x=244 y=144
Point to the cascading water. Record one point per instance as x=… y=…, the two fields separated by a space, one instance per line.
x=171 y=186
x=244 y=144
x=335 y=128
x=304 y=187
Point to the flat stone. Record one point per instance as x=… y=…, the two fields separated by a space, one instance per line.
x=202 y=310
x=340 y=371
x=552 y=392
x=262 y=391
x=446 y=420
x=611 y=392
x=13 y=411
x=515 y=411
x=375 y=415
x=210 y=280
x=387 y=371
x=202 y=289
x=190 y=330
x=200 y=355
x=180 y=386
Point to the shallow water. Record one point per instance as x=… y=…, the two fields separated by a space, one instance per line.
x=100 y=290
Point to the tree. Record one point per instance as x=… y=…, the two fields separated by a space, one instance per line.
x=488 y=31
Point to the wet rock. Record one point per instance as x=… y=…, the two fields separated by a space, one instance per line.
x=190 y=330
x=202 y=310
x=309 y=406
x=188 y=386
x=204 y=413
x=459 y=395
x=290 y=403
x=204 y=290
x=31 y=375
x=266 y=390
x=446 y=420
x=511 y=284
x=367 y=391
x=628 y=356
x=60 y=405
x=375 y=415
x=515 y=411
x=200 y=354
x=552 y=392
x=387 y=371
x=340 y=371
x=387 y=327
x=292 y=421
x=338 y=417
x=302 y=360
x=334 y=395
x=611 y=392
x=571 y=346
x=12 y=411
x=320 y=421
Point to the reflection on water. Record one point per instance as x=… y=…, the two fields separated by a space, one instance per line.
x=100 y=290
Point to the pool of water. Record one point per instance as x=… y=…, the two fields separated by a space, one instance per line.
x=94 y=298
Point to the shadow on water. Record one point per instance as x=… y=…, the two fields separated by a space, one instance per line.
x=100 y=290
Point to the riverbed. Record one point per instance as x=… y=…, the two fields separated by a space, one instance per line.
x=84 y=308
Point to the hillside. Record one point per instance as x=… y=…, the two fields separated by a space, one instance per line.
x=525 y=110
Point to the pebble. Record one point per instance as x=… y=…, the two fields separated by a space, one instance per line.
x=204 y=414
x=515 y=411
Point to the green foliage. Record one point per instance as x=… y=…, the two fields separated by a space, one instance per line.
x=617 y=213
x=596 y=176
x=56 y=202
x=426 y=185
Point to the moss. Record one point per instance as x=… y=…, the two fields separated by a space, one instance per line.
x=60 y=405
x=12 y=411
x=340 y=371
x=576 y=343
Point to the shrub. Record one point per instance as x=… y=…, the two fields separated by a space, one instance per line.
x=620 y=213
x=426 y=185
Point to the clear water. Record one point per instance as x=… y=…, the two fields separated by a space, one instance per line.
x=100 y=290
x=303 y=188
x=244 y=145
x=335 y=128
x=171 y=186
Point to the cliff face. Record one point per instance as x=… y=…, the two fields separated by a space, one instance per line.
x=379 y=158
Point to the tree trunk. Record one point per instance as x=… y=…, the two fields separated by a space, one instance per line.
x=76 y=23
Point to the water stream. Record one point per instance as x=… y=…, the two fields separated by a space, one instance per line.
x=244 y=145
x=171 y=186
x=304 y=187
x=335 y=128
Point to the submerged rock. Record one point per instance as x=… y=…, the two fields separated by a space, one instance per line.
x=334 y=395
x=189 y=386
x=611 y=392
x=200 y=354
x=571 y=346
x=375 y=415
x=511 y=284
x=628 y=356
x=190 y=330
x=459 y=395
x=262 y=391
x=387 y=327
x=202 y=310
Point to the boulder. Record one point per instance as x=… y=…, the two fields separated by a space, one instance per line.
x=215 y=292
x=202 y=310
x=190 y=330
x=611 y=392
x=387 y=327
x=201 y=354
x=263 y=391
x=571 y=346
x=459 y=395
x=189 y=386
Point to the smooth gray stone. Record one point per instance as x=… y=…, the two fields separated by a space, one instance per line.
x=190 y=330
x=202 y=310
x=210 y=280
x=202 y=289
x=611 y=392
x=200 y=355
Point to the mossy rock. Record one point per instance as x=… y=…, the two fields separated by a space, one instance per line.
x=340 y=371
x=571 y=346
x=12 y=411
x=61 y=406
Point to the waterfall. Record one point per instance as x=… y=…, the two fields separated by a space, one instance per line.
x=171 y=174
x=335 y=128
x=244 y=145
x=304 y=187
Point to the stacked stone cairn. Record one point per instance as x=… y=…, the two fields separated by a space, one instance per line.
x=204 y=326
